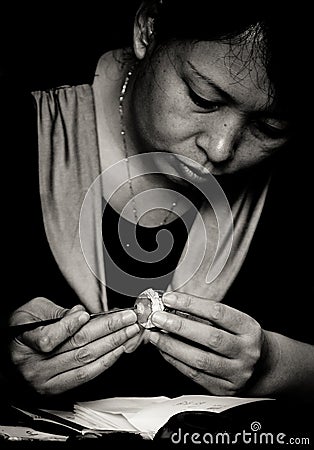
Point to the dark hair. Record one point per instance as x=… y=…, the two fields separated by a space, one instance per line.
x=278 y=33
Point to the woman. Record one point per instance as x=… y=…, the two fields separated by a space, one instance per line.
x=211 y=89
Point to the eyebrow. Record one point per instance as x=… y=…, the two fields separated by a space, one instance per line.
x=211 y=83
x=225 y=95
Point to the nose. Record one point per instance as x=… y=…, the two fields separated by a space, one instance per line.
x=220 y=140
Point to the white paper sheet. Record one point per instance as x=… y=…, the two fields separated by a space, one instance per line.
x=151 y=419
x=145 y=414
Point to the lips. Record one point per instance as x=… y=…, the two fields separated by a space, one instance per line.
x=192 y=172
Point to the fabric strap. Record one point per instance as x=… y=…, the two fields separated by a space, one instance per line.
x=68 y=164
x=246 y=210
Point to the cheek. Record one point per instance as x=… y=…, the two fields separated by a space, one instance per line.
x=169 y=127
x=164 y=117
x=252 y=151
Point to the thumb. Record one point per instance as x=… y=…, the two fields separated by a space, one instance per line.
x=132 y=344
x=38 y=308
x=47 y=338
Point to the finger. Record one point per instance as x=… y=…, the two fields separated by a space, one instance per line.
x=75 y=309
x=208 y=362
x=220 y=314
x=99 y=327
x=135 y=342
x=81 y=375
x=91 y=352
x=39 y=308
x=46 y=338
x=211 y=337
x=215 y=386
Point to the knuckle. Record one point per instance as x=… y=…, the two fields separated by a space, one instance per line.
x=195 y=375
x=187 y=301
x=221 y=368
x=216 y=339
x=177 y=325
x=81 y=376
x=111 y=323
x=69 y=327
x=255 y=354
x=107 y=362
x=219 y=311
x=83 y=355
x=203 y=363
x=252 y=350
x=117 y=339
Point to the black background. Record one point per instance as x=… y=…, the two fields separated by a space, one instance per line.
x=51 y=44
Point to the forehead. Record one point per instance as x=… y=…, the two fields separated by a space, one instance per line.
x=237 y=68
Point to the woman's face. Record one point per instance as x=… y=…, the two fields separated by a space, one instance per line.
x=208 y=101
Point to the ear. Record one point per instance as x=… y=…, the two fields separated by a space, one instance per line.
x=143 y=32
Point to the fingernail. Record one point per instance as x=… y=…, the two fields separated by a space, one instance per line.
x=44 y=341
x=46 y=344
x=131 y=345
x=129 y=317
x=159 y=318
x=132 y=330
x=153 y=338
x=83 y=318
x=216 y=311
x=169 y=298
x=77 y=308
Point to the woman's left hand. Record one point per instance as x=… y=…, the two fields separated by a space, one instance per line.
x=221 y=358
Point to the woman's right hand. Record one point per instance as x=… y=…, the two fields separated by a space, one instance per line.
x=61 y=356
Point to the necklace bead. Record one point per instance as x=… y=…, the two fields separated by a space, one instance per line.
x=126 y=153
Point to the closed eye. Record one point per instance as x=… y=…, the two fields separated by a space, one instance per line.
x=203 y=103
x=273 y=129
